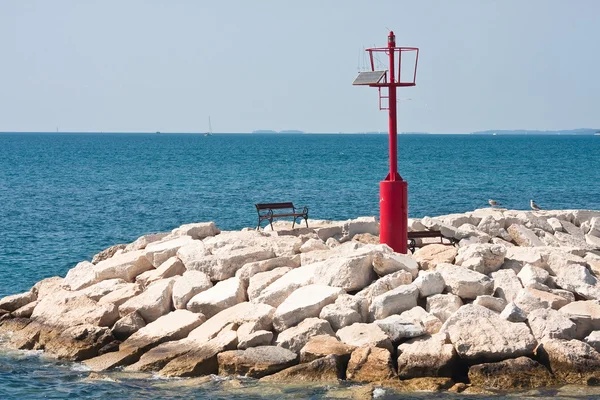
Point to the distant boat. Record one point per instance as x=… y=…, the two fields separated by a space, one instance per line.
x=158 y=132
x=209 y=133
x=494 y=134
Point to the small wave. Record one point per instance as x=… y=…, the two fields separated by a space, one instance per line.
x=79 y=367
x=378 y=393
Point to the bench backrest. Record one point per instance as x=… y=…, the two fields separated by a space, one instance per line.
x=274 y=206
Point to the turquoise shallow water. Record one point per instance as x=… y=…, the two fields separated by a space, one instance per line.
x=64 y=197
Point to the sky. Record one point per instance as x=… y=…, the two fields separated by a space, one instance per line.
x=150 y=65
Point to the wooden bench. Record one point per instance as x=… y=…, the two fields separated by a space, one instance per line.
x=413 y=236
x=266 y=211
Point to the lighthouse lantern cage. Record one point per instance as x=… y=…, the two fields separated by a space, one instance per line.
x=406 y=76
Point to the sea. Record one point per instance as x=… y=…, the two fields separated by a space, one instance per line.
x=66 y=196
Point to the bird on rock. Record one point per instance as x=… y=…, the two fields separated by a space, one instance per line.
x=534 y=206
x=493 y=203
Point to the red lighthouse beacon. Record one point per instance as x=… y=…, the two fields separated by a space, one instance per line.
x=393 y=198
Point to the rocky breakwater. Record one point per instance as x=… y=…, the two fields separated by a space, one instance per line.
x=516 y=304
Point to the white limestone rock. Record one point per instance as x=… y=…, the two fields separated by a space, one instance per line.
x=172 y=267
x=513 y=313
x=431 y=255
x=523 y=236
x=295 y=338
x=579 y=280
x=492 y=226
x=429 y=283
x=304 y=302
x=517 y=256
x=464 y=282
x=550 y=324
x=65 y=310
x=586 y=308
x=313 y=245
x=153 y=303
x=349 y=274
x=478 y=333
x=259 y=314
x=278 y=291
x=385 y=284
x=418 y=315
x=190 y=284
x=16 y=301
x=533 y=299
x=529 y=274
x=443 y=306
x=102 y=288
x=427 y=356
x=261 y=280
x=506 y=284
x=386 y=263
x=193 y=254
x=364 y=335
x=593 y=241
x=415 y=225
x=437 y=225
x=593 y=340
x=225 y=262
x=395 y=301
x=457 y=220
x=223 y=295
x=198 y=231
x=143 y=241
x=128 y=325
x=468 y=231
x=493 y=303
x=253 y=268
x=173 y=326
x=483 y=258
x=344 y=313
x=121 y=295
x=555 y=224
x=159 y=252
x=398 y=328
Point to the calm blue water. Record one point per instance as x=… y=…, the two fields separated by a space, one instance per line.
x=64 y=197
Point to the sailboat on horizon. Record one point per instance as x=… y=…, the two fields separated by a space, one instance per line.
x=209 y=133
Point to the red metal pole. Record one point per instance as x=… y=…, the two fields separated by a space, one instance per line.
x=393 y=199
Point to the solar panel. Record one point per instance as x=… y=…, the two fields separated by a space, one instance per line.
x=369 y=77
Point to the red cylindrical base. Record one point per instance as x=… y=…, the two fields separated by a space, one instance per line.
x=393 y=206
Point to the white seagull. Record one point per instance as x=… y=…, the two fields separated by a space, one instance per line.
x=534 y=206
x=493 y=203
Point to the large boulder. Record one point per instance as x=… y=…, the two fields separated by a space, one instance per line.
x=349 y=273
x=223 y=295
x=16 y=301
x=387 y=263
x=225 y=262
x=102 y=288
x=516 y=257
x=153 y=303
x=67 y=310
x=443 y=306
x=530 y=274
x=328 y=369
x=260 y=314
x=323 y=345
x=571 y=361
x=171 y=267
x=198 y=231
x=157 y=357
x=418 y=315
x=431 y=255
x=190 y=284
x=76 y=343
x=464 y=282
x=159 y=252
x=249 y=336
x=495 y=304
x=370 y=364
x=256 y=362
x=518 y=373
x=128 y=325
x=523 y=236
x=483 y=258
x=121 y=295
x=533 y=299
x=385 y=284
x=551 y=324
x=398 y=328
x=346 y=311
x=295 y=338
x=202 y=358
x=588 y=308
x=426 y=356
x=480 y=334
x=143 y=241
x=278 y=291
x=124 y=266
x=304 y=302
x=253 y=268
x=506 y=284
x=364 y=335
x=261 y=280
x=108 y=253
x=395 y=301
x=430 y=283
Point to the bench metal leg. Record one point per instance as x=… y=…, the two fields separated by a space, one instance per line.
x=271 y=223
x=293 y=223
x=306 y=220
